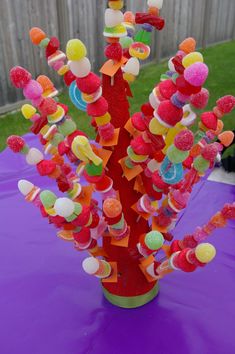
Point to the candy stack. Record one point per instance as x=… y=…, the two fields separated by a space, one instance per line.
x=97 y=267
x=117 y=225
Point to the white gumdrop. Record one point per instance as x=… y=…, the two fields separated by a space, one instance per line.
x=34 y=156
x=153 y=100
x=64 y=207
x=132 y=67
x=90 y=265
x=25 y=186
x=171 y=65
x=113 y=18
x=155 y=3
x=80 y=68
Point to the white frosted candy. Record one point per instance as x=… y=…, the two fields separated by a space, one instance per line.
x=80 y=68
x=155 y=3
x=171 y=65
x=153 y=100
x=64 y=207
x=25 y=186
x=90 y=265
x=132 y=67
x=34 y=156
x=113 y=18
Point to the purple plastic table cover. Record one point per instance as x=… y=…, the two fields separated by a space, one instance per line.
x=49 y=305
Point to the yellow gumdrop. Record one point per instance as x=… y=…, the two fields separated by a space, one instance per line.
x=156 y=128
x=171 y=136
x=128 y=77
x=102 y=120
x=116 y=5
x=205 y=252
x=75 y=50
x=28 y=111
x=192 y=58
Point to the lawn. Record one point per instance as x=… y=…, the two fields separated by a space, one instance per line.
x=221 y=81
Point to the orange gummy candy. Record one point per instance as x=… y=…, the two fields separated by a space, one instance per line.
x=218 y=220
x=188 y=45
x=36 y=35
x=226 y=138
x=45 y=82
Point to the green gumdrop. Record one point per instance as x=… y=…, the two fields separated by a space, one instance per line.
x=174 y=77
x=128 y=163
x=120 y=224
x=154 y=240
x=44 y=43
x=164 y=77
x=93 y=170
x=57 y=138
x=200 y=164
x=48 y=198
x=143 y=37
x=67 y=127
x=77 y=208
x=126 y=42
x=71 y=217
x=175 y=155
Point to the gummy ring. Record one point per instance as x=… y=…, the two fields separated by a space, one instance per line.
x=139 y=50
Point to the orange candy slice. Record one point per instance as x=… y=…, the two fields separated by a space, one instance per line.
x=226 y=138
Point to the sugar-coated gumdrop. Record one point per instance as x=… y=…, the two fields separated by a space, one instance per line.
x=28 y=111
x=52 y=46
x=226 y=104
x=169 y=113
x=167 y=88
x=132 y=66
x=25 y=186
x=183 y=263
x=64 y=207
x=138 y=121
x=19 y=77
x=48 y=198
x=89 y=84
x=192 y=58
x=188 y=45
x=184 y=140
x=98 y=108
x=112 y=207
x=200 y=164
x=155 y=3
x=113 y=18
x=80 y=68
x=200 y=99
x=209 y=120
x=196 y=74
x=116 y=4
x=45 y=82
x=32 y=90
x=46 y=167
x=15 y=143
x=75 y=50
x=48 y=106
x=205 y=252
x=67 y=127
x=106 y=131
x=175 y=155
x=226 y=138
x=185 y=88
x=219 y=128
x=228 y=211
x=113 y=51
x=140 y=147
x=154 y=240
x=34 y=156
x=83 y=236
x=36 y=35
x=69 y=78
x=209 y=152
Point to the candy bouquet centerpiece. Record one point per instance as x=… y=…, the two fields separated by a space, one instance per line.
x=124 y=192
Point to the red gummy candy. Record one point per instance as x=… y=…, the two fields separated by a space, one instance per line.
x=167 y=88
x=19 y=77
x=158 y=182
x=209 y=120
x=185 y=88
x=89 y=84
x=83 y=236
x=113 y=51
x=175 y=247
x=66 y=168
x=57 y=220
x=184 y=140
x=46 y=167
x=169 y=113
x=38 y=125
x=200 y=99
x=147 y=109
x=63 y=148
x=226 y=104
x=48 y=106
x=177 y=62
x=138 y=121
x=155 y=21
x=15 y=143
x=183 y=263
x=98 y=108
x=95 y=220
x=188 y=162
x=228 y=211
x=52 y=46
x=69 y=78
x=63 y=184
x=140 y=147
x=82 y=218
x=209 y=152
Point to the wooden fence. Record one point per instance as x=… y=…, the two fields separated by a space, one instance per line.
x=209 y=21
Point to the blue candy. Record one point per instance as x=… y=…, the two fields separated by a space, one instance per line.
x=76 y=97
x=171 y=173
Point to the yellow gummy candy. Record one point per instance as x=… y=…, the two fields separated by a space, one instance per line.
x=192 y=58
x=75 y=50
x=28 y=111
x=82 y=149
x=129 y=77
x=156 y=128
x=116 y=5
x=171 y=135
x=102 y=120
x=205 y=252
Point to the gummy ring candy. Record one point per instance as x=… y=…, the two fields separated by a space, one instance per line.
x=139 y=50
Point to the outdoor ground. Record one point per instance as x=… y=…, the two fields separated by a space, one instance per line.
x=221 y=81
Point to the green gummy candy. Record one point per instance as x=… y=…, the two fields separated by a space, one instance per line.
x=77 y=208
x=93 y=170
x=175 y=155
x=67 y=127
x=126 y=42
x=57 y=138
x=44 y=42
x=128 y=163
x=48 y=198
x=71 y=217
x=154 y=240
x=200 y=164
x=120 y=224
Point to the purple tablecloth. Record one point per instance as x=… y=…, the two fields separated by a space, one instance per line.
x=48 y=305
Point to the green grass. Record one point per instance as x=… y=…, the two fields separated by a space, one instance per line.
x=221 y=81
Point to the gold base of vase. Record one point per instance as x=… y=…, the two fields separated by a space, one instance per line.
x=130 y=302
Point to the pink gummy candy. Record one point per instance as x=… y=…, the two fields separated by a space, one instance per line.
x=19 y=77
x=196 y=74
x=200 y=99
x=32 y=90
x=184 y=140
x=210 y=152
